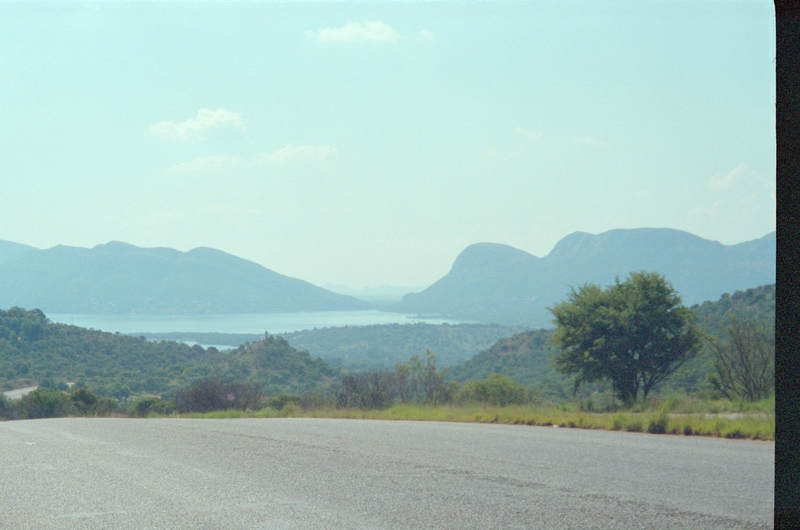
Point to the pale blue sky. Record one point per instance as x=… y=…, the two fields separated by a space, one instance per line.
x=363 y=143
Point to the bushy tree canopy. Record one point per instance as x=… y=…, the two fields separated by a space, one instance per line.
x=634 y=333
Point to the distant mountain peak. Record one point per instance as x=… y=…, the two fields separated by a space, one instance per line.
x=494 y=283
x=490 y=254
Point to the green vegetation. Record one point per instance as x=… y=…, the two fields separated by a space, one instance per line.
x=418 y=381
x=53 y=403
x=754 y=426
x=497 y=390
x=756 y=304
x=745 y=364
x=213 y=394
x=35 y=350
x=382 y=346
x=90 y=373
x=277 y=367
x=634 y=333
x=527 y=357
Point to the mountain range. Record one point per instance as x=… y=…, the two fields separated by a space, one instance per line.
x=121 y=278
x=496 y=283
x=488 y=282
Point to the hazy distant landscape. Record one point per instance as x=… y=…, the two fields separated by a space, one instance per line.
x=526 y=223
x=503 y=292
x=488 y=283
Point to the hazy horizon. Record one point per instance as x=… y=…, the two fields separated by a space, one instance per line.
x=380 y=293
x=364 y=144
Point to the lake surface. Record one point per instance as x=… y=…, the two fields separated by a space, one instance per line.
x=256 y=323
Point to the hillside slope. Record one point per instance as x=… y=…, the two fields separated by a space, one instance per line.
x=33 y=349
x=494 y=283
x=526 y=357
x=121 y=278
x=9 y=249
x=382 y=346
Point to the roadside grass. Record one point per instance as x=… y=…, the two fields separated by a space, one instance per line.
x=758 y=424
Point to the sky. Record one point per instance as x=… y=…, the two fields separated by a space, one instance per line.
x=369 y=143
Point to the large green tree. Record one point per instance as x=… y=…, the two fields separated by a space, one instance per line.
x=634 y=333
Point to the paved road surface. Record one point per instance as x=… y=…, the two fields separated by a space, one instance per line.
x=317 y=473
x=18 y=393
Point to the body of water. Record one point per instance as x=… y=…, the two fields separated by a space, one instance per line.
x=256 y=323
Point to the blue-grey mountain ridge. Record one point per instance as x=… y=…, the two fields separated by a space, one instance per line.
x=121 y=278
x=488 y=282
x=495 y=283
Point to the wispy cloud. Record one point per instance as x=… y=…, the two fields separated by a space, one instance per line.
x=206 y=119
x=722 y=181
x=227 y=163
x=530 y=135
x=355 y=32
x=426 y=35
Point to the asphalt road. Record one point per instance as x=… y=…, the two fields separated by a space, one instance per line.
x=20 y=392
x=318 y=473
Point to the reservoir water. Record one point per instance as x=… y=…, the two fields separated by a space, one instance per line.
x=255 y=323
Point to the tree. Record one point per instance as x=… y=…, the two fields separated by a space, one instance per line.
x=420 y=381
x=212 y=394
x=745 y=364
x=634 y=333
x=367 y=390
x=83 y=401
x=45 y=403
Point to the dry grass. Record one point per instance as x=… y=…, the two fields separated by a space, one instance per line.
x=758 y=426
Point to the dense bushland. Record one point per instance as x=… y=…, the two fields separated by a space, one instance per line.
x=34 y=350
x=380 y=347
x=213 y=394
x=54 y=403
x=527 y=357
x=511 y=382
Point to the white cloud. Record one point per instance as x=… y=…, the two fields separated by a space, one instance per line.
x=530 y=135
x=302 y=152
x=206 y=119
x=721 y=182
x=426 y=35
x=355 y=32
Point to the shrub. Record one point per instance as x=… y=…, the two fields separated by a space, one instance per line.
x=7 y=409
x=658 y=424
x=213 y=394
x=281 y=400
x=498 y=390
x=45 y=403
x=83 y=401
x=290 y=410
x=733 y=433
x=317 y=400
x=367 y=390
x=142 y=407
x=634 y=426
